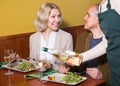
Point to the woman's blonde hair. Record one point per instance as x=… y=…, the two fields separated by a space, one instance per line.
x=43 y=14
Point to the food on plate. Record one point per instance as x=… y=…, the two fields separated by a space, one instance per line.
x=26 y=66
x=51 y=77
x=72 y=78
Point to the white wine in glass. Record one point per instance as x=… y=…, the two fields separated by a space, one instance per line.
x=9 y=57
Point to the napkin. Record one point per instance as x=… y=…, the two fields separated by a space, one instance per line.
x=1 y=64
x=37 y=74
x=31 y=76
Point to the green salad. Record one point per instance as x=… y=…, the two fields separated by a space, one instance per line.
x=72 y=78
x=26 y=66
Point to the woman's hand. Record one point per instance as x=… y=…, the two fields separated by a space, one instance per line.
x=47 y=64
x=64 y=68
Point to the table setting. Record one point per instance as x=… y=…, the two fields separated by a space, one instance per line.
x=41 y=74
x=34 y=72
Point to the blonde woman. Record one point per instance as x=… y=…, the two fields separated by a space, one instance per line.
x=49 y=34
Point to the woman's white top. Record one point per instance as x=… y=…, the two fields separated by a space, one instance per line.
x=51 y=42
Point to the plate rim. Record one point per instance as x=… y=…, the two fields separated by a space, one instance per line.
x=14 y=68
x=84 y=78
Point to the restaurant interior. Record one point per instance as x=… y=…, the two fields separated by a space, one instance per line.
x=16 y=18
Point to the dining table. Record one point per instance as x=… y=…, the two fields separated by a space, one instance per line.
x=18 y=79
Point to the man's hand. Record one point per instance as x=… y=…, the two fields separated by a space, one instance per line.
x=95 y=73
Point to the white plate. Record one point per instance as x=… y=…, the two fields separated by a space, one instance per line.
x=59 y=79
x=15 y=65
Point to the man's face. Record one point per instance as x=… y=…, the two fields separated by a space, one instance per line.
x=91 y=19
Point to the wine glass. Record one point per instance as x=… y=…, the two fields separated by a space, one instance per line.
x=41 y=70
x=44 y=65
x=39 y=63
x=41 y=66
x=9 y=57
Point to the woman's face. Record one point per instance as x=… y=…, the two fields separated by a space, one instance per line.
x=54 y=19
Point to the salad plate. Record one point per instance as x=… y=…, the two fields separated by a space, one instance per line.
x=21 y=66
x=59 y=78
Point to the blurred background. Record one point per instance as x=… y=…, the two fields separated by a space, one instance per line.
x=17 y=16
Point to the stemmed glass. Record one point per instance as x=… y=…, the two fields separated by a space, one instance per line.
x=41 y=66
x=9 y=57
x=39 y=63
x=43 y=63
